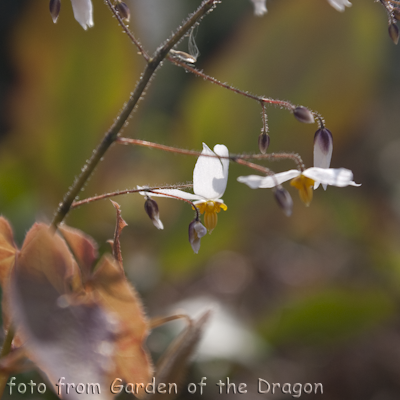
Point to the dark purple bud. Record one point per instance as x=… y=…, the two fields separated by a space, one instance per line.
x=123 y=11
x=284 y=200
x=263 y=142
x=304 y=115
x=394 y=33
x=55 y=7
x=151 y=208
x=196 y=231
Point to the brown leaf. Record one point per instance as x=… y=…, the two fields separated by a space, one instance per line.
x=172 y=366
x=83 y=247
x=8 y=249
x=120 y=224
x=62 y=338
x=112 y=290
x=46 y=253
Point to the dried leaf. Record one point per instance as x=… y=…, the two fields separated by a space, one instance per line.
x=7 y=250
x=171 y=367
x=63 y=339
x=112 y=290
x=120 y=224
x=83 y=247
x=47 y=254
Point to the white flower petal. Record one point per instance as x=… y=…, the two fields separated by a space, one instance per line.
x=260 y=7
x=210 y=174
x=171 y=192
x=330 y=176
x=83 y=12
x=339 y=4
x=256 y=181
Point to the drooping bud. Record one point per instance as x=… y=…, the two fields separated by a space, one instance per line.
x=151 y=208
x=263 y=142
x=323 y=147
x=394 y=33
x=196 y=231
x=304 y=115
x=55 y=7
x=284 y=200
x=123 y=11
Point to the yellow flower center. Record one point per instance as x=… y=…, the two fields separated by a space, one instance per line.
x=305 y=187
x=210 y=209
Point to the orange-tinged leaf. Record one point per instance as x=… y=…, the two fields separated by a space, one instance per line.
x=44 y=253
x=112 y=290
x=7 y=250
x=64 y=338
x=83 y=247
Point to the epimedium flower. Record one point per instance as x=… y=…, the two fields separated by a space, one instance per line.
x=260 y=7
x=303 y=181
x=83 y=11
x=210 y=177
x=339 y=5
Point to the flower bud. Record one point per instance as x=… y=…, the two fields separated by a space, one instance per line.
x=284 y=200
x=263 y=142
x=55 y=7
x=323 y=147
x=151 y=208
x=196 y=231
x=123 y=11
x=396 y=13
x=394 y=33
x=304 y=115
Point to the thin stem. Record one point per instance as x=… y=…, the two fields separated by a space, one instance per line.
x=233 y=157
x=112 y=134
x=4 y=351
x=280 y=103
x=257 y=167
x=264 y=118
x=127 y=31
x=104 y=196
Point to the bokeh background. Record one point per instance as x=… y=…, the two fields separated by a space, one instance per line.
x=310 y=298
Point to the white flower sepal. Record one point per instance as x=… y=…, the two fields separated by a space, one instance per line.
x=303 y=181
x=260 y=7
x=340 y=5
x=83 y=12
x=210 y=177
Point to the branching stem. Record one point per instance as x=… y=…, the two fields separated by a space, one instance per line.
x=112 y=134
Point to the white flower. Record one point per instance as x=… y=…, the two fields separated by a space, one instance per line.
x=339 y=4
x=260 y=7
x=210 y=177
x=303 y=181
x=83 y=12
